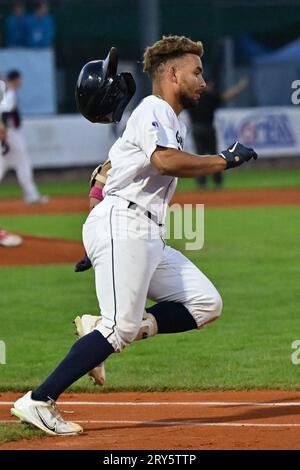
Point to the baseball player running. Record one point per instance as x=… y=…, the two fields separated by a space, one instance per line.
x=123 y=235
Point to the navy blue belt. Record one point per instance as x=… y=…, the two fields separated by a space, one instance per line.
x=133 y=205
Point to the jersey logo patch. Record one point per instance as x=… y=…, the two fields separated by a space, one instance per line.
x=155 y=124
x=179 y=140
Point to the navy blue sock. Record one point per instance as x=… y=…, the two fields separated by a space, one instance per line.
x=87 y=353
x=172 y=317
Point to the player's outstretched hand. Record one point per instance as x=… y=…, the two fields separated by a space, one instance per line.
x=237 y=154
x=83 y=265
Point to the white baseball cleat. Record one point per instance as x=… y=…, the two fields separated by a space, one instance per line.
x=84 y=325
x=45 y=416
x=9 y=239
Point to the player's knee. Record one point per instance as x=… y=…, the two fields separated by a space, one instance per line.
x=205 y=312
x=126 y=331
x=213 y=310
x=216 y=305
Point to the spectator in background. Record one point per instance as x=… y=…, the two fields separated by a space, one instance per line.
x=15 y=155
x=15 y=26
x=202 y=117
x=40 y=27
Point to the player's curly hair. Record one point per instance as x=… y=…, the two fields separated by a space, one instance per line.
x=169 y=47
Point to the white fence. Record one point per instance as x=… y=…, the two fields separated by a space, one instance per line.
x=67 y=141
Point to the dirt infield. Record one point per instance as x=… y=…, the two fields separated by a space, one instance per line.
x=57 y=205
x=174 y=420
x=223 y=198
x=240 y=197
x=41 y=250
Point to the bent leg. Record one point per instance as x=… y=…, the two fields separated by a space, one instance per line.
x=178 y=280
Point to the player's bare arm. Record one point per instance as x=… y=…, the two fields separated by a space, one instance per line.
x=2 y=131
x=3 y=143
x=97 y=183
x=173 y=162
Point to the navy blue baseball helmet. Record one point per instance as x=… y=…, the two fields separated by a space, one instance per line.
x=101 y=94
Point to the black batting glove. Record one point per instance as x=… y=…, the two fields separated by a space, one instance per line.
x=237 y=154
x=83 y=265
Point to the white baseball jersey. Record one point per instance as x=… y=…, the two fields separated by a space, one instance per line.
x=132 y=176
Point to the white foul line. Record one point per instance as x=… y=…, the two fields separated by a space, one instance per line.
x=177 y=423
x=169 y=403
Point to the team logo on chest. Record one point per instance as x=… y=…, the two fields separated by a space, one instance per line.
x=179 y=140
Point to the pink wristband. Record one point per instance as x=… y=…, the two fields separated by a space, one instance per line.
x=96 y=193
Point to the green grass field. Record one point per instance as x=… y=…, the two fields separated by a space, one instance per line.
x=15 y=432
x=252 y=256
x=238 y=179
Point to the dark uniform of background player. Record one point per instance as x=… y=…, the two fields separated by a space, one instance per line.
x=202 y=117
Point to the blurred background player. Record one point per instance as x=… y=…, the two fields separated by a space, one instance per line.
x=17 y=157
x=6 y=239
x=202 y=117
